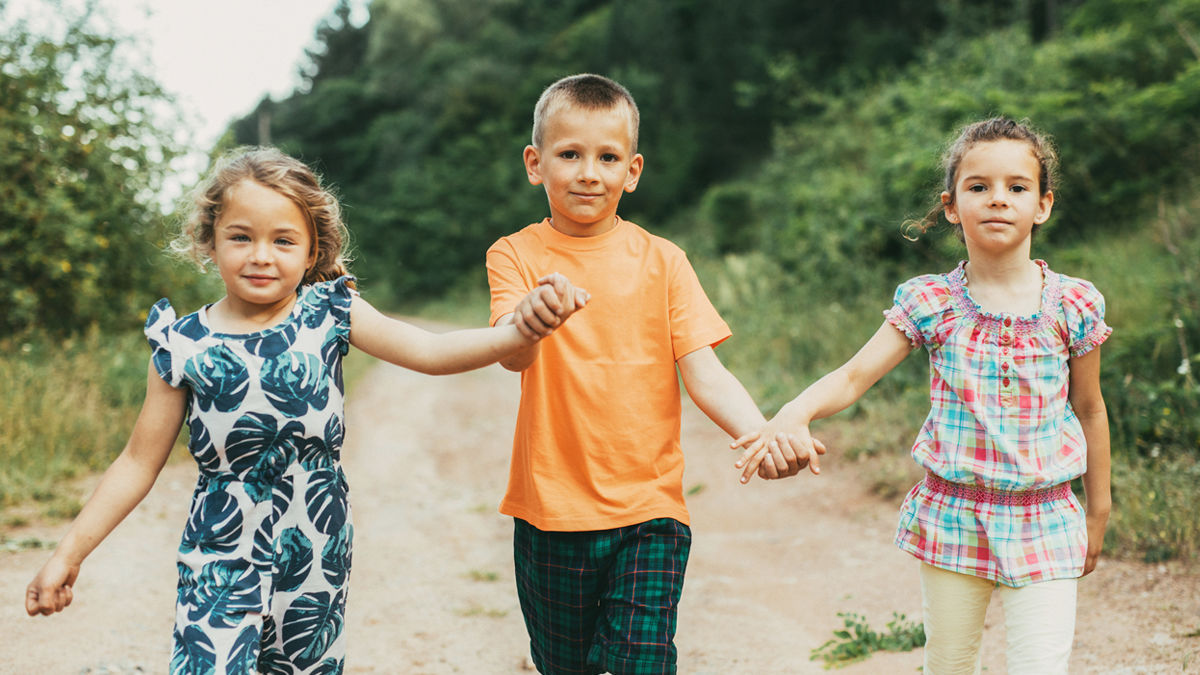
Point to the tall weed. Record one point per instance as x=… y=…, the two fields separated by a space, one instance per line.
x=66 y=410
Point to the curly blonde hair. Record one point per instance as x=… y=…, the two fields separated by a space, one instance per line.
x=288 y=176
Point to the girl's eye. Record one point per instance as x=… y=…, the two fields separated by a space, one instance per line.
x=284 y=242
x=239 y=237
x=977 y=188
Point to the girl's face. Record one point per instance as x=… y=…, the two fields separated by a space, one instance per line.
x=996 y=197
x=261 y=246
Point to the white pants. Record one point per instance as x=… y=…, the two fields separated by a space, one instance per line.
x=1039 y=623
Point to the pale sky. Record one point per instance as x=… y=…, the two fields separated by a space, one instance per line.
x=217 y=57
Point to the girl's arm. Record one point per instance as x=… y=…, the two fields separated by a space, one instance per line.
x=1088 y=403
x=827 y=396
x=431 y=353
x=124 y=485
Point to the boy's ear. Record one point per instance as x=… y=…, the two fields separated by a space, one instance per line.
x=533 y=160
x=635 y=172
x=1045 y=205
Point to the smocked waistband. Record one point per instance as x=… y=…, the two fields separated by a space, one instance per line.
x=986 y=495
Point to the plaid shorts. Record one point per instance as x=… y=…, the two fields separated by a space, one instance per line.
x=602 y=601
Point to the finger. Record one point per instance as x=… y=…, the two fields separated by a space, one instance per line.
x=523 y=327
x=548 y=314
x=818 y=445
x=769 y=468
x=793 y=458
x=751 y=467
x=744 y=439
x=556 y=279
x=31 y=601
x=752 y=449
x=70 y=593
x=548 y=297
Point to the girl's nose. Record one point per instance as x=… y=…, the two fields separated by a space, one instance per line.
x=261 y=252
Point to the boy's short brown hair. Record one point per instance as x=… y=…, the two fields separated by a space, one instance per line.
x=589 y=91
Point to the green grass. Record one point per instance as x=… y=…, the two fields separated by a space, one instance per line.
x=857 y=641
x=65 y=412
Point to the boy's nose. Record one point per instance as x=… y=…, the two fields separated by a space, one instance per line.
x=587 y=171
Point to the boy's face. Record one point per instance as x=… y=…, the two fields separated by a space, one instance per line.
x=585 y=163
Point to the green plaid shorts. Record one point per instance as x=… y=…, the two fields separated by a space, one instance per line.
x=602 y=601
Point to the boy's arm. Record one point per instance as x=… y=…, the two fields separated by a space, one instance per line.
x=829 y=395
x=719 y=394
x=1088 y=403
x=123 y=486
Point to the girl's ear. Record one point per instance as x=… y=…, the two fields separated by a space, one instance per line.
x=533 y=162
x=1045 y=205
x=950 y=208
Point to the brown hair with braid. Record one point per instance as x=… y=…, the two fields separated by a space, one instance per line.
x=994 y=129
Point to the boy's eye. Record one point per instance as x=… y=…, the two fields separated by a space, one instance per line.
x=1019 y=188
x=569 y=154
x=608 y=157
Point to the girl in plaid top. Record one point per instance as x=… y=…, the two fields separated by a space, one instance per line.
x=1016 y=413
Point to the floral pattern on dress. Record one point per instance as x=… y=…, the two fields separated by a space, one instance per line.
x=265 y=553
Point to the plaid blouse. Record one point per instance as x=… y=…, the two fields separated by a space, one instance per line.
x=999 y=420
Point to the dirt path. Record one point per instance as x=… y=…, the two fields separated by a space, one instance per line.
x=432 y=590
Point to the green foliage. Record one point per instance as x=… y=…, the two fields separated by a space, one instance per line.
x=421 y=115
x=66 y=410
x=1154 y=508
x=857 y=640
x=83 y=150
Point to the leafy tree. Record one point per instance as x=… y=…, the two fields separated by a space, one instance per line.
x=82 y=155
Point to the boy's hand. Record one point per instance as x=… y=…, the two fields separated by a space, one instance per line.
x=547 y=306
x=774 y=453
x=50 y=591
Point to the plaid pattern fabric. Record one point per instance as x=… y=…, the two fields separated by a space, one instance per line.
x=999 y=418
x=604 y=600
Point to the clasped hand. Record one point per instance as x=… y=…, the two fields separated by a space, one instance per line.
x=547 y=306
x=772 y=452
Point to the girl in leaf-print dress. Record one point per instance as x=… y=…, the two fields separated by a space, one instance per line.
x=265 y=554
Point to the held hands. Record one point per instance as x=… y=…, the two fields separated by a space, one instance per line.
x=775 y=453
x=50 y=591
x=547 y=306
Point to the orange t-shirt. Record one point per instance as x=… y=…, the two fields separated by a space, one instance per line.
x=597 y=439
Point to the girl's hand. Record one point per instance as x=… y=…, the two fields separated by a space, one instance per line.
x=1096 y=525
x=50 y=591
x=777 y=454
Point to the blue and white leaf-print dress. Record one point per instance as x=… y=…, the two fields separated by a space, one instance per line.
x=265 y=553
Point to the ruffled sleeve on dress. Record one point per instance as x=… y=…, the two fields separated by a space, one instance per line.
x=1083 y=306
x=340 y=297
x=916 y=306
x=157 y=330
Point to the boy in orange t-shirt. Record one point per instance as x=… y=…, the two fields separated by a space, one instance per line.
x=596 y=483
